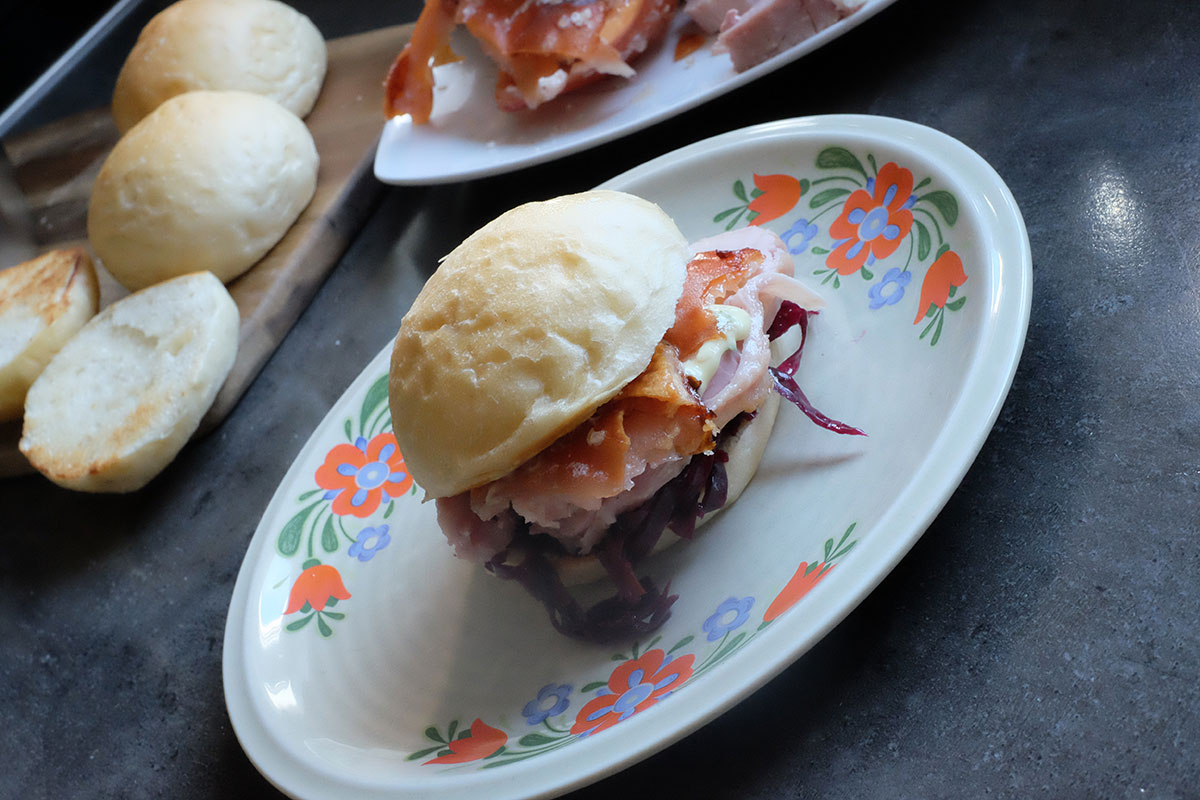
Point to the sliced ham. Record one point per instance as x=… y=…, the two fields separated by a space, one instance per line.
x=541 y=47
x=752 y=31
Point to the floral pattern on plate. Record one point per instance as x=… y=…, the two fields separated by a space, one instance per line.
x=359 y=480
x=877 y=210
x=643 y=677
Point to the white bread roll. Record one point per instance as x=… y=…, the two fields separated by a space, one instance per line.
x=210 y=181
x=259 y=46
x=43 y=303
x=123 y=396
x=526 y=328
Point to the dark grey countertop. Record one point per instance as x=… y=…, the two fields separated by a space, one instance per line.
x=1039 y=640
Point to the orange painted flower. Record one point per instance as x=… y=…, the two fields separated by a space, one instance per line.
x=483 y=742
x=873 y=221
x=946 y=271
x=802 y=582
x=362 y=475
x=635 y=685
x=780 y=193
x=315 y=586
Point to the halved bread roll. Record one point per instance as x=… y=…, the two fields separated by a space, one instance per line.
x=120 y=400
x=43 y=303
x=260 y=46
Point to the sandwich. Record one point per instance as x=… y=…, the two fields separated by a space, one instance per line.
x=577 y=387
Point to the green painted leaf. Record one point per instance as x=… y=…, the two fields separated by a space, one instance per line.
x=805 y=185
x=739 y=189
x=428 y=751
x=684 y=642
x=288 y=543
x=451 y=730
x=729 y=647
x=924 y=241
x=300 y=623
x=310 y=563
x=434 y=735
x=331 y=602
x=937 y=334
x=943 y=250
x=593 y=686
x=818 y=251
x=535 y=740
x=929 y=327
x=957 y=304
x=378 y=393
x=827 y=196
x=837 y=282
x=329 y=539
x=334 y=614
x=945 y=203
x=866 y=273
x=620 y=657
x=349 y=430
x=309 y=494
x=323 y=627
x=839 y=158
x=653 y=642
x=501 y=751
x=734 y=220
x=924 y=182
x=871 y=161
x=727 y=212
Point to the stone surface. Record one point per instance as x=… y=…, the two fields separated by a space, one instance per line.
x=1040 y=639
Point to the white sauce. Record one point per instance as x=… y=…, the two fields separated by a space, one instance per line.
x=733 y=325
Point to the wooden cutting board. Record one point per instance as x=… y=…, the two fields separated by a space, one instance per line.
x=55 y=166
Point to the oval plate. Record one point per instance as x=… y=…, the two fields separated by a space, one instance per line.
x=468 y=137
x=362 y=660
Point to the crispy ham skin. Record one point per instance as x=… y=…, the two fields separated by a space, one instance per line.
x=541 y=47
x=631 y=446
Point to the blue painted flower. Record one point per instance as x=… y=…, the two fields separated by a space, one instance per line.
x=805 y=230
x=552 y=700
x=730 y=614
x=370 y=541
x=890 y=288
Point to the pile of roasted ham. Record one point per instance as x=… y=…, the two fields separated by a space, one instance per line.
x=752 y=31
x=541 y=48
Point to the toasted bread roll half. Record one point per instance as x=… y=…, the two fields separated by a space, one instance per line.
x=123 y=396
x=43 y=303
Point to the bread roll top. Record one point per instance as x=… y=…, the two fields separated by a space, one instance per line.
x=210 y=181
x=526 y=328
x=260 y=46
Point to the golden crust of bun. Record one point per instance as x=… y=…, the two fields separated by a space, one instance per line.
x=43 y=303
x=260 y=46
x=210 y=181
x=526 y=328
